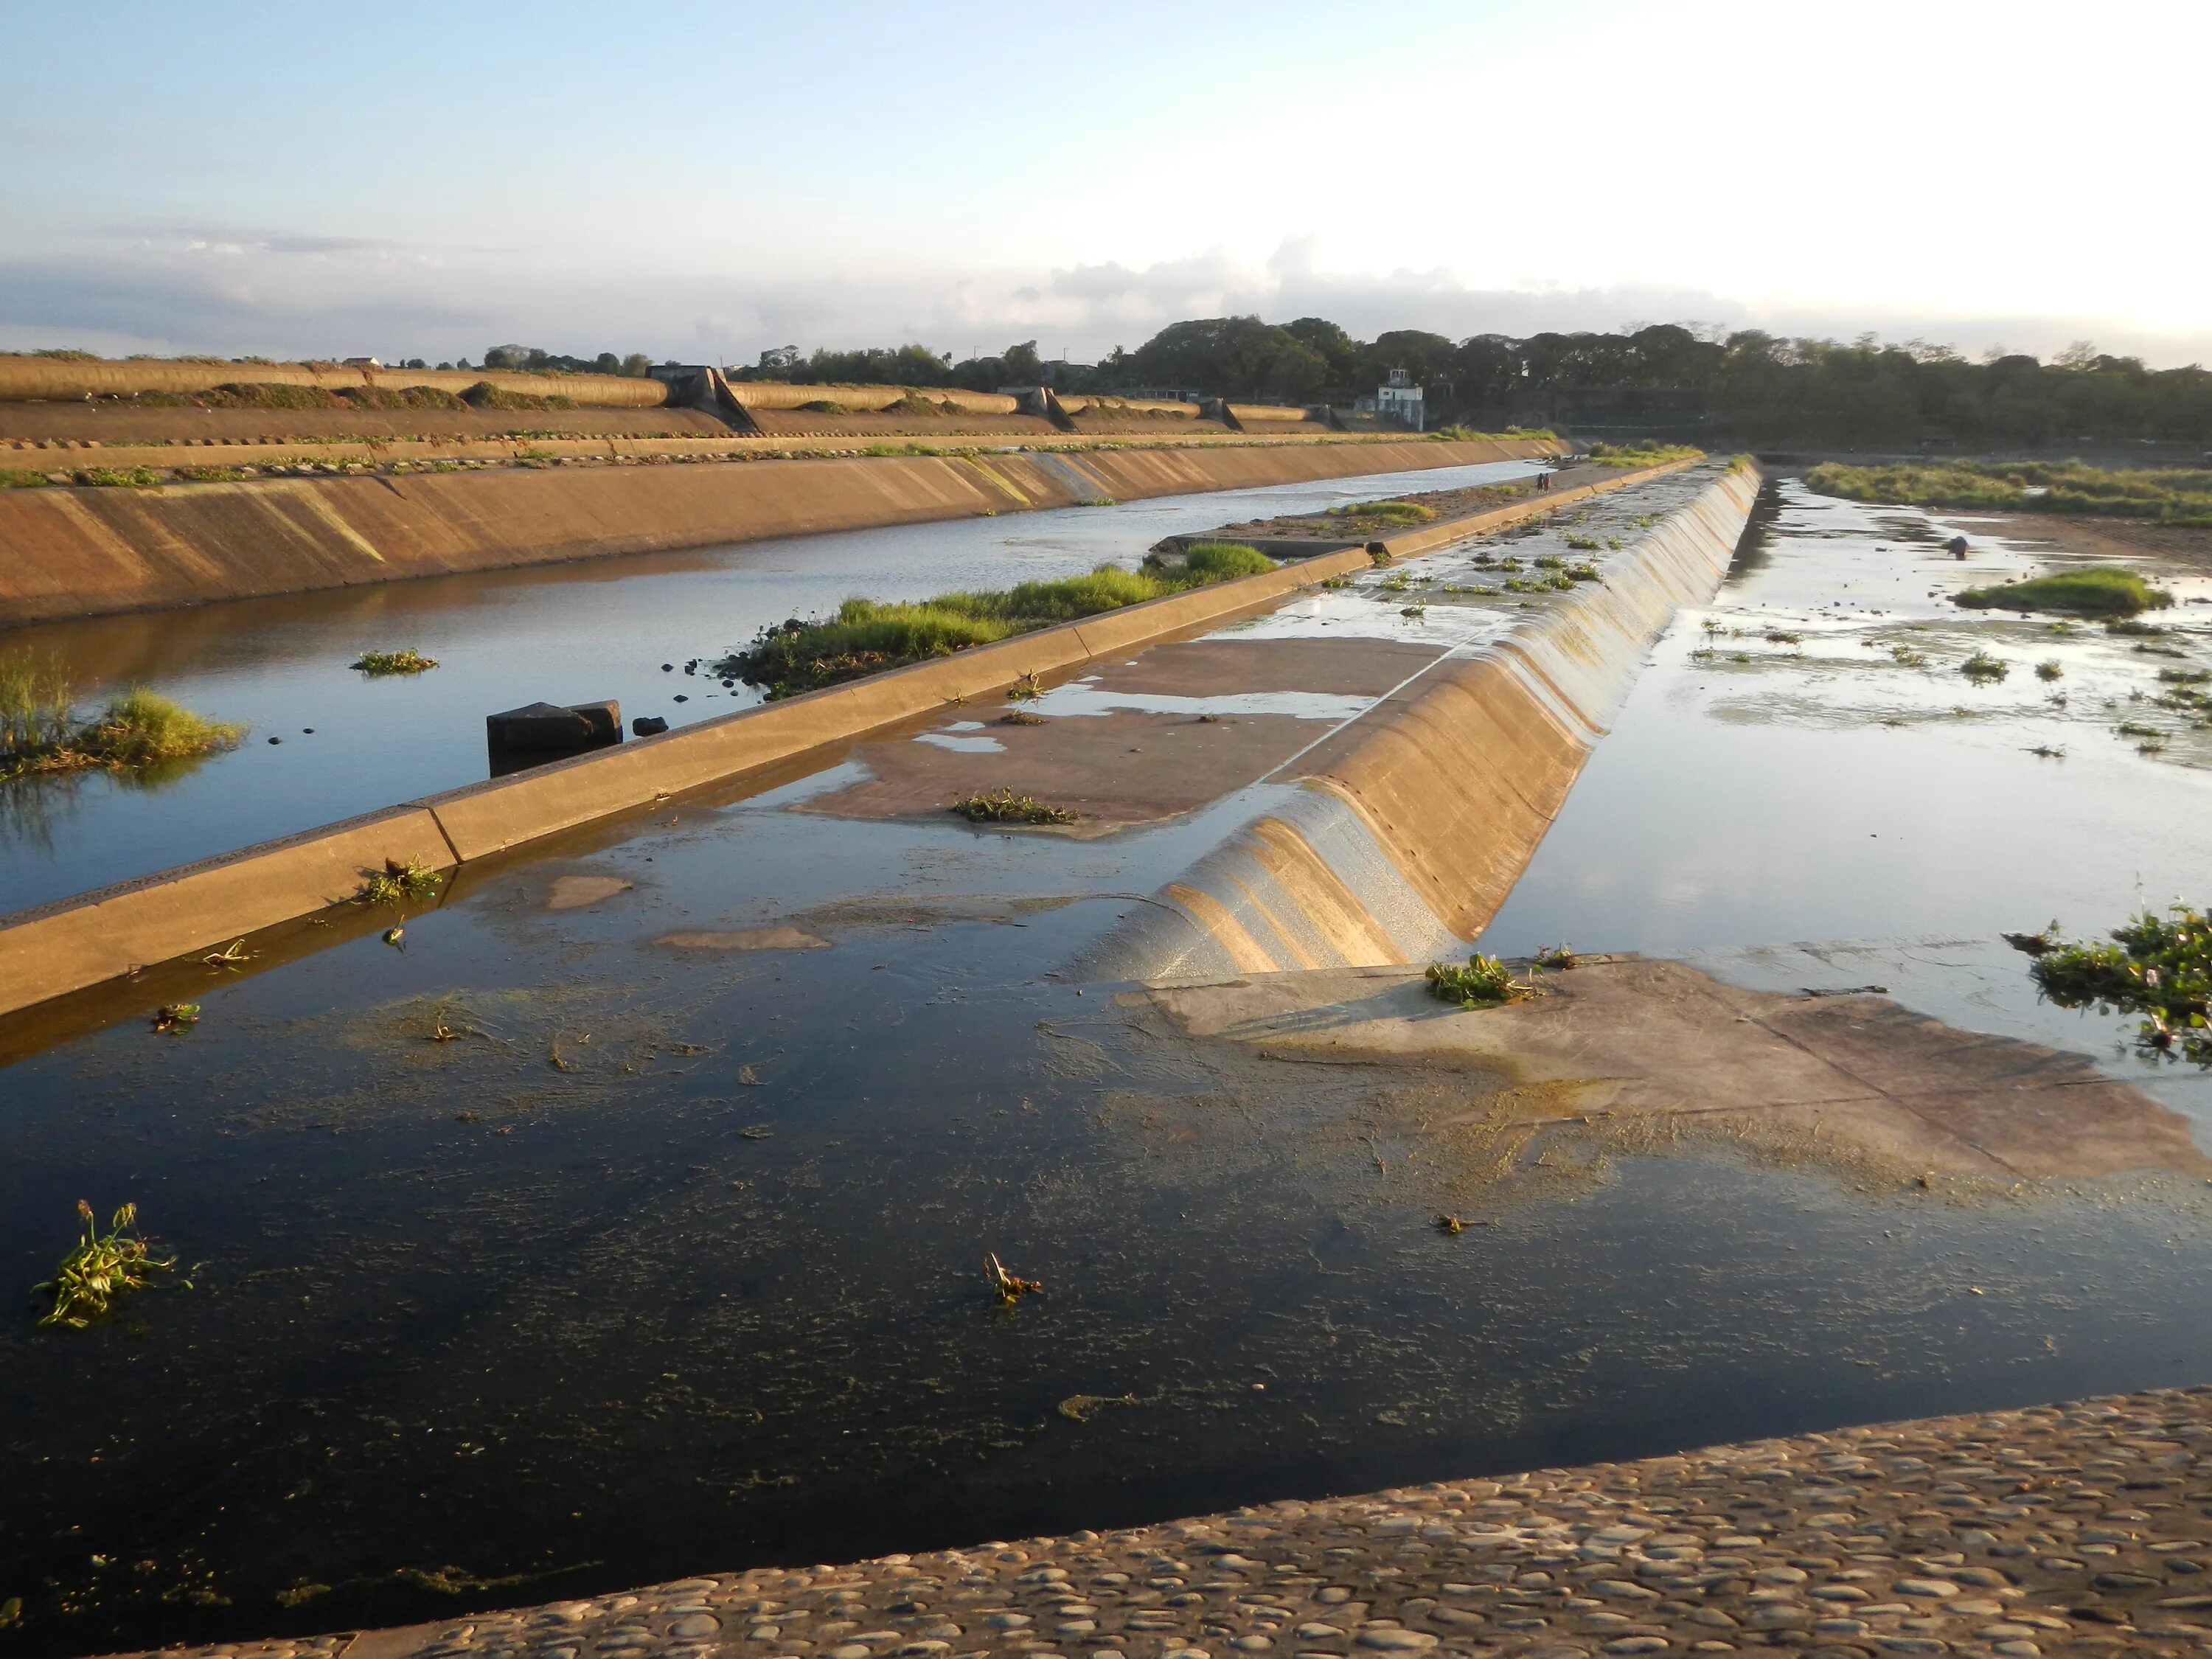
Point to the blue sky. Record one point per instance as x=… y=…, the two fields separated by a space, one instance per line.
x=708 y=181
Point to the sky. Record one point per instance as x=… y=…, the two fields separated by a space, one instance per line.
x=704 y=181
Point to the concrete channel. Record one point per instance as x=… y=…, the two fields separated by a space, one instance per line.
x=804 y=1046
x=66 y=947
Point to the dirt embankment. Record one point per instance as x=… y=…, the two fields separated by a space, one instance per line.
x=2109 y=538
x=122 y=421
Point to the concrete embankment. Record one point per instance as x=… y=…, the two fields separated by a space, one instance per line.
x=2048 y=1529
x=69 y=552
x=1412 y=824
x=51 y=952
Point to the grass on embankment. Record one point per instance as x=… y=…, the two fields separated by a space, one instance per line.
x=2177 y=497
x=40 y=731
x=866 y=637
x=2096 y=592
x=1642 y=455
x=1393 y=514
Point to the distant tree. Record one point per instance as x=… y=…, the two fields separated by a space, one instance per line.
x=1233 y=357
x=1338 y=349
x=637 y=365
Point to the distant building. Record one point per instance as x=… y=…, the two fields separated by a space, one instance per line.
x=1399 y=399
x=778 y=359
x=362 y=362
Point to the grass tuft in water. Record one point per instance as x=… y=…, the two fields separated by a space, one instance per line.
x=2160 y=967
x=866 y=637
x=2049 y=669
x=377 y=664
x=397 y=883
x=39 y=730
x=102 y=1267
x=1003 y=805
x=2072 y=592
x=1984 y=669
x=1484 y=982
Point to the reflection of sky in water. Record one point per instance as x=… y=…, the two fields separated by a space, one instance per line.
x=566 y=633
x=1824 y=790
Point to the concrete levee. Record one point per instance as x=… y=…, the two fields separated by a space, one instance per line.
x=1410 y=825
x=83 y=942
x=67 y=552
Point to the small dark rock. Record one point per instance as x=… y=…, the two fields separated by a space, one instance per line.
x=646 y=726
x=668 y=668
x=1956 y=547
x=680 y=697
x=307 y=730
x=275 y=739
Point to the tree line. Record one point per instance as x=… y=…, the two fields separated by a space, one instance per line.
x=1747 y=384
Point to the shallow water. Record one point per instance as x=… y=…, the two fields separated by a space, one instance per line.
x=1822 y=790
x=562 y=633
x=669 y=1259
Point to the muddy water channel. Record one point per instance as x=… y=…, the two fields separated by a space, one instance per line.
x=625 y=1218
x=565 y=633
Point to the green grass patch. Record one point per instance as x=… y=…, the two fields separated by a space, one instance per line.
x=2159 y=967
x=16 y=479
x=377 y=664
x=102 y=1267
x=1005 y=806
x=119 y=477
x=2182 y=496
x=1641 y=454
x=1398 y=513
x=866 y=637
x=2094 y=593
x=40 y=731
x=1984 y=669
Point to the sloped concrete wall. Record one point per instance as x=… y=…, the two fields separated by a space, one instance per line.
x=73 y=552
x=1409 y=827
x=23 y=377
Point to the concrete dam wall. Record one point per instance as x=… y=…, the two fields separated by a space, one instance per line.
x=74 y=552
x=1408 y=828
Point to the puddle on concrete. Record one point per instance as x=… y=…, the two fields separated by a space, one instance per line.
x=563 y=633
x=668 y=1259
x=1076 y=698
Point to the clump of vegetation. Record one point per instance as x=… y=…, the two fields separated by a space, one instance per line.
x=1982 y=668
x=825 y=406
x=40 y=731
x=1003 y=805
x=866 y=637
x=2182 y=497
x=397 y=883
x=484 y=395
x=377 y=664
x=1581 y=544
x=1484 y=982
x=2159 y=967
x=2049 y=669
x=1377 y=513
x=1641 y=454
x=102 y=1267
x=2093 y=592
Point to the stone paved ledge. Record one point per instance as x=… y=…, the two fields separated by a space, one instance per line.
x=2081 y=1528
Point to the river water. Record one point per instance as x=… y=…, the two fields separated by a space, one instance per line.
x=562 y=633
x=669 y=1260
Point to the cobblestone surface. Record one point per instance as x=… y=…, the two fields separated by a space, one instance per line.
x=2081 y=1528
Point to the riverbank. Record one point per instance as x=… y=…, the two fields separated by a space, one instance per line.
x=2077 y=1528
x=68 y=551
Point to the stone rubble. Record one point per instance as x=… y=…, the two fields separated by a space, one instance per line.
x=2079 y=1529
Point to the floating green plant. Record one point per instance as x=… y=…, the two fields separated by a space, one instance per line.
x=2159 y=967
x=2049 y=669
x=377 y=664
x=102 y=1267
x=1982 y=668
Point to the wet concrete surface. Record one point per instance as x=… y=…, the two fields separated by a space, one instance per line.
x=562 y=633
x=666 y=1258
